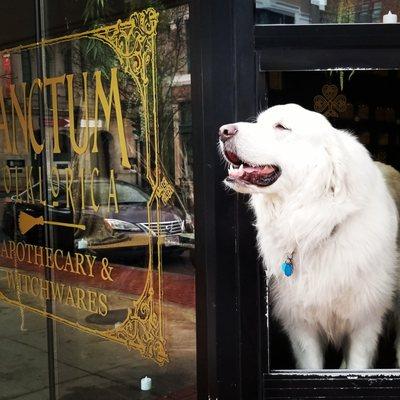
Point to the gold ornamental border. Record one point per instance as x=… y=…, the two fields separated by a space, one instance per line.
x=134 y=44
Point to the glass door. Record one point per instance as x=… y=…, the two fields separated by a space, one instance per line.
x=98 y=205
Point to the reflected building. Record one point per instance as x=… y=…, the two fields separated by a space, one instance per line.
x=323 y=11
x=174 y=105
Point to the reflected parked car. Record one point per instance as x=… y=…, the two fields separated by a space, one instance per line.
x=107 y=230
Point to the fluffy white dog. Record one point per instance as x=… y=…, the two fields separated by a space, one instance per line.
x=327 y=228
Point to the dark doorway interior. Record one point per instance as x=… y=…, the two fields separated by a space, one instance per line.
x=372 y=106
x=367 y=104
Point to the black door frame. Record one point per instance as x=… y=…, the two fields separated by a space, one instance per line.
x=228 y=276
x=310 y=47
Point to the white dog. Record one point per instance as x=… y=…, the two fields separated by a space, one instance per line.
x=327 y=228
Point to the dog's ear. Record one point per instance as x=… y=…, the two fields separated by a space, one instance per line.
x=336 y=183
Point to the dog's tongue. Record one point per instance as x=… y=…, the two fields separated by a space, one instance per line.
x=262 y=170
x=238 y=172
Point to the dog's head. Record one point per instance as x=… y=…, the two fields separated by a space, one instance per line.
x=277 y=153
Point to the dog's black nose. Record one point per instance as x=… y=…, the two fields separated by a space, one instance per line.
x=227 y=131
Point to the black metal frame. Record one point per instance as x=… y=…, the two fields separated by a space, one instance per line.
x=50 y=335
x=228 y=277
x=311 y=47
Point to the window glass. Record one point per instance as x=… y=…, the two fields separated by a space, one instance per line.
x=23 y=329
x=97 y=188
x=23 y=334
x=326 y=11
x=132 y=191
x=131 y=194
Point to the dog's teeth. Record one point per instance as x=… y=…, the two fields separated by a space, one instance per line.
x=241 y=167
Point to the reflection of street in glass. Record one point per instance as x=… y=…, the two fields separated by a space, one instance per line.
x=324 y=12
x=93 y=291
x=88 y=365
x=126 y=230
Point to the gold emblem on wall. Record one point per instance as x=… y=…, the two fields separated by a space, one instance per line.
x=134 y=43
x=330 y=103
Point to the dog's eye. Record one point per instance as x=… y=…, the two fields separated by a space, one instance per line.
x=281 y=127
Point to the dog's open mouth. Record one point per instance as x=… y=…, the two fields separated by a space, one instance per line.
x=242 y=172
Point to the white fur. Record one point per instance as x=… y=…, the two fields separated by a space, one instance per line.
x=331 y=207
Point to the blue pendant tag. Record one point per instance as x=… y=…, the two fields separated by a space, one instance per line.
x=287 y=268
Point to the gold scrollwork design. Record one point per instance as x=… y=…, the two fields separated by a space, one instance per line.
x=165 y=190
x=141 y=330
x=133 y=42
